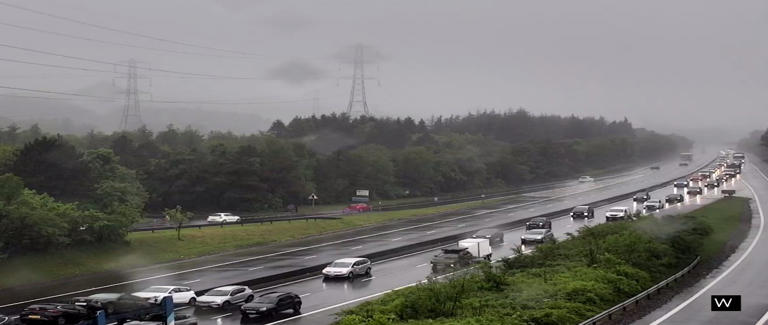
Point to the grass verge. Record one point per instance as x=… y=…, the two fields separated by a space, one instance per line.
x=566 y=282
x=147 y=248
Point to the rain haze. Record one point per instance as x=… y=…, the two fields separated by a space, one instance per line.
x=682 y=66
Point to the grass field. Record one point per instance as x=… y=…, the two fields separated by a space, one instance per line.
x=724 y=217
x=146 y=248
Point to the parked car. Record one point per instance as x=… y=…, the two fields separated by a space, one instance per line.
x=586 y=179
x=680 y=183
x=674 y=198
x=272 y=303
x=116 y=303
x=357 y=207
x=653 y=205
x=223 y=217
x=694 y=190
x=180 y=295
x=347 y=268
x=53 y=313
x=583 y=211
x=537 y=236
x=224 y=297
x=617 y=213
x=159 y=318
x=538 y=223
x=494 y=236
x=641 y=197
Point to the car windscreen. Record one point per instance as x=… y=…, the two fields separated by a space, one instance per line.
x=217 y=293
x=265 y=300
x=155 y=289
x=616 y=210
x=579 y=209
x=536 y=232
x=341 y=264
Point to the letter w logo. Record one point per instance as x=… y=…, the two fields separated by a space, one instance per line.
x=725 y=303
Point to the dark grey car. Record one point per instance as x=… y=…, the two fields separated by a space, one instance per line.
x=494 y=236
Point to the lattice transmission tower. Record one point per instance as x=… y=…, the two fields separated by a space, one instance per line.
x=131 y=117
x=358 y=102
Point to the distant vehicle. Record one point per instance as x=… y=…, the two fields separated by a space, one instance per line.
x=224 y=297
x=739 y=156
x=583 y=211
x=617 y=213
x=655 y=167
x=538 y=223
x=537 y=236
x=461 y=255
x=712 y=183
x=159 y=318
x=53 y=313
x=115 y=303
x=347 y=268
x=682 y=164
x=357 y=207
x=494 y=236
x=180 y=295
x=586 y=179
x=680 y=183
x=694 y=178
x=736 y=167
x=222 y=217
x=730 y=173
x=694 y=190
x=704 y=174
x=653 y=205
x=641 y=197
x=686 y=156
x=270 y=304
x=674 y=198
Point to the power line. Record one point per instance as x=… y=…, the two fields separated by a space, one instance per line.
x=72 y=20
x=56 y=66
x=114 y=43
x=78 y=58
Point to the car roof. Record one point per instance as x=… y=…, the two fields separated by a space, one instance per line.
x=229 y=288
x=349 y=259
x=619 y=208
x=105 y=295
x=538 y=219
x=674 y=194
x=276 y=294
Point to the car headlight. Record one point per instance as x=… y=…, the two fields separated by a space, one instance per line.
x=263 y=308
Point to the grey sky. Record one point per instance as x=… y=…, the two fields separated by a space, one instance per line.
x=667 y=65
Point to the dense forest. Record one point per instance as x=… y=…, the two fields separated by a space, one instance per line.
x=111 y=179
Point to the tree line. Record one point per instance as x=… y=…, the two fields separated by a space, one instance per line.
x=120 y=176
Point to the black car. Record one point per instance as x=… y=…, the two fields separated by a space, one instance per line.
x=712 y=183
x=694 y=190
x=681 y=164
x=680 y=183
x=117 y=303
x=271 y=303
x=641 y=197
x=53 y=313
x=674 y=198
x=538 y=223
x=583 y=211
x=655 y=167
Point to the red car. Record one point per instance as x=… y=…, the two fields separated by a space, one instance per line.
x=357 y=207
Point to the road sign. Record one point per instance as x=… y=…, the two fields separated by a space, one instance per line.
x=313 y=197
x=361 y=193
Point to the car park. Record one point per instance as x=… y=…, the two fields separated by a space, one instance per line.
x=694 y=190
x=538 y=223
x=494 y=236
x=347 y=268
x=223 y=217
x=357 y=207
x=224 y=297
x=680 y=183
x=674 y=198
x=537 y=236
x=53 y=313
x=180 y=295
x=583 y=211
x=641 y=197
x=652 y=205
x=617 y=213
x=115 y=303
x=586 y=179
x=270 y=304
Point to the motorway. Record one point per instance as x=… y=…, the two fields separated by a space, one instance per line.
x=744 y=273
x=321 y=298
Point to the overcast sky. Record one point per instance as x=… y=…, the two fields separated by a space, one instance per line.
x=667 y=65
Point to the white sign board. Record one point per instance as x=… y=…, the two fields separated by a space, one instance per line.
x=361 y=193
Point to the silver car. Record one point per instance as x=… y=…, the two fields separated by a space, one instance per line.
x=347 y=268
x=224 y=297
x=537 y=236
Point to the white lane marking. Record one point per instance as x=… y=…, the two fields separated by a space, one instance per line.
x=421 y=265
x=306 y=294
x=255 y=268
x=357 y=247
x=728 y=271
x=461 y=225
x=431 y=231
x=763 y=319
x=308 y=257
x=369 y=279
x=220 y=316
x=181 y=308
x=193 y=281
x=317 y=245
x=396 y=239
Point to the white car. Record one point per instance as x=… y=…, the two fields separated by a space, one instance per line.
x=617 y=213
x=347 y=268
x=180 y=295
x=223 y=217
x=586 y=179
x=224 y=297
x=653 y=205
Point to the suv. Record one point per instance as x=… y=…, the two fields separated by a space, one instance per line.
x=641 y=197
x=271 y=303
x=538 y=223
x=583 y=211
x=617 y=213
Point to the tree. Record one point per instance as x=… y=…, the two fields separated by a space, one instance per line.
x=53 y=166
x=764 y=139
x=177 y=216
